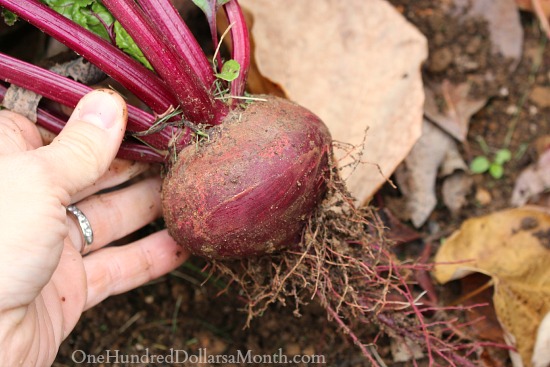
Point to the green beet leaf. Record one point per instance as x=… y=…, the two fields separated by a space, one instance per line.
x=94 y=16
x=127 y=44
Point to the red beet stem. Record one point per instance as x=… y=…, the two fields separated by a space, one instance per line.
x=121 y=67
x=127 y=150
x=196 y=101
x=240 y=41
x=178 y=35
x=68 y=92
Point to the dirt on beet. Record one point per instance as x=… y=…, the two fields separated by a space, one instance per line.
x=196 y=308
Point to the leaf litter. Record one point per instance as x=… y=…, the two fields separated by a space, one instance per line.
x=513 y=247
x=458 y=82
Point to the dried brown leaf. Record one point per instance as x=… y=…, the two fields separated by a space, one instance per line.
x=504 y=25
x=532 y=181
x=416 y=177
x=451 y=107
x=513 y=247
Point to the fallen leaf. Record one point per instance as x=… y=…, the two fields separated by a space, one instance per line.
x=80 y=70
x=416 y=177
x=532 y=181
x=22 y=101
x=541 y=352
x=457 y=183
x=475 y=292
x=455 y=190
x=356 y=64
x=397 y=232
x=451 y=107
x=504 y=25
x=513 y=247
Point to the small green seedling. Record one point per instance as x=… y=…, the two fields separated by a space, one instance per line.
x=482 y=163
x=230 y=71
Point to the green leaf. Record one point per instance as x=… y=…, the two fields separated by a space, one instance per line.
x=90 y=14
x=94 y=16
x=68 y=7
x=208 y=7
x=127 y=44
x=496 y=170
x=230 y=71
x=9 y=17
x=480 y=164
x=502 y=156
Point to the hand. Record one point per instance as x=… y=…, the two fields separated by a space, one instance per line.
x=45 y=282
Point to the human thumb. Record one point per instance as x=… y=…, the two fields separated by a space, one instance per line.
x=88 y=143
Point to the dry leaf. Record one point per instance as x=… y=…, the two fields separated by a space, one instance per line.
x=455 y=190
x=457 y=107
x=541 y=352
x=22 y=101
x=356 y=64
x=513 y=247
x=397 y=232
x=532 y=181
x=451 y=106
x=416 y=177
x=504 y=25
x=476 y=291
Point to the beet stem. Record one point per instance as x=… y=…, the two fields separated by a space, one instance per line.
x=240 y=41
x=127 y=150
x=121 y=67
x=68 y=92
x=198 y=104
x=178 y=35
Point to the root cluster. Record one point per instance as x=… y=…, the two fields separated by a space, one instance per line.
x=345 y=262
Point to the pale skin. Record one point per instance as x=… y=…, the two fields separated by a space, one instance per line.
x=45 y=281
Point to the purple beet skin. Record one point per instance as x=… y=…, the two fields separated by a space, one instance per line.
x=251 y=188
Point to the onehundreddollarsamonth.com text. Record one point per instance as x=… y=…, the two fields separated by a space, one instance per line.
x=201 y=356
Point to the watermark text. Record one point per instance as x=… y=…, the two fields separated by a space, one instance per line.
x=201 y=356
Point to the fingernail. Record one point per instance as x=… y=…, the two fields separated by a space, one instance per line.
x=99 y=108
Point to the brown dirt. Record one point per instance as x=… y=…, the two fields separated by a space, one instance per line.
x=186 y=311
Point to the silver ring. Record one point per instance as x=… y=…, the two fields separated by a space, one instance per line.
x=85 y=226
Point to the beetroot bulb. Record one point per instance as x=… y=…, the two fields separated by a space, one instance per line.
x=250 y=188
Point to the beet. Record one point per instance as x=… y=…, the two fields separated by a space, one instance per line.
x=249 y=190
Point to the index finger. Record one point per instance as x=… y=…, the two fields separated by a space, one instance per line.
x=17 y=133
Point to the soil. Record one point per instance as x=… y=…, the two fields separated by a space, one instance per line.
x=189 y=311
